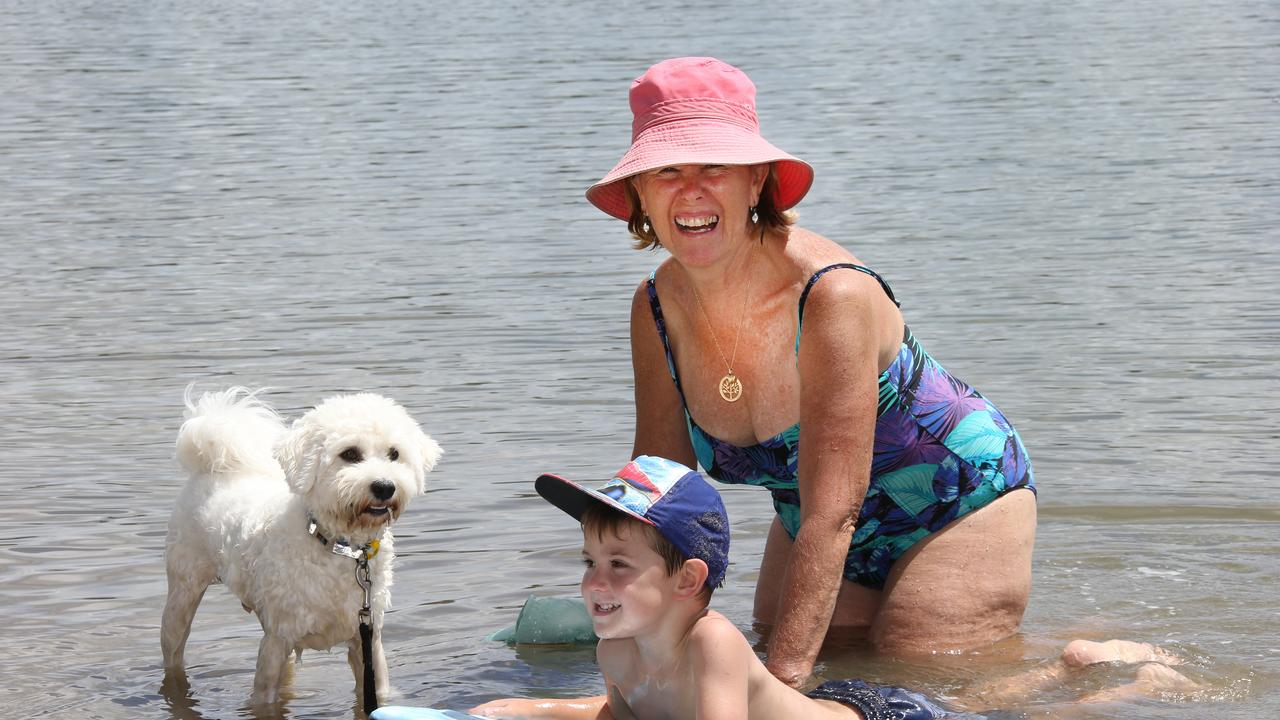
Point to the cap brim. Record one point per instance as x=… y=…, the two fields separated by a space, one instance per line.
x=701 y=143
x=573 y=498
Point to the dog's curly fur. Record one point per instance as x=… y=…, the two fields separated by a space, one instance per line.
x=351 y=464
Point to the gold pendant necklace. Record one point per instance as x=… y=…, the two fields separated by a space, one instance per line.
x=730 y=384
x=730 y=387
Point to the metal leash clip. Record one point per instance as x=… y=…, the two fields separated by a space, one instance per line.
x=366 y=584
x=340 y=547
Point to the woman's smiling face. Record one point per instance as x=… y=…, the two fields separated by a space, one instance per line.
x=698 y=210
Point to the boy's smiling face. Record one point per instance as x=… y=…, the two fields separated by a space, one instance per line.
x=625 y=583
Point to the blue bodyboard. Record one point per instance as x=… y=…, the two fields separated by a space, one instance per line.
x=402 y=712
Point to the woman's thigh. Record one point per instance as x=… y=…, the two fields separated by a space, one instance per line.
x=855 y=607
x=963 y=587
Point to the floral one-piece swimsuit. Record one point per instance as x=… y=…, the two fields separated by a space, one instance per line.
x=941 y=451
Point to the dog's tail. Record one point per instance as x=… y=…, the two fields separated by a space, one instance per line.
x=230 y=431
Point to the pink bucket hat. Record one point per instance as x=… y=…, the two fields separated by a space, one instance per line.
x=696 y=110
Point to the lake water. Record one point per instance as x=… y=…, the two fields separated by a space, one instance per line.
x=1077 y=203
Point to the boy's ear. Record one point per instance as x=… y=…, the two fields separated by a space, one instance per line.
x=691 y=578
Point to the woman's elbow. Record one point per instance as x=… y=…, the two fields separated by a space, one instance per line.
x=829 y=527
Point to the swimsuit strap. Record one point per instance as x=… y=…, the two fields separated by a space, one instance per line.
x=860 y=268
x=804 y=296
x=660 y=321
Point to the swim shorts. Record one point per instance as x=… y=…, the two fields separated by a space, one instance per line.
x=885 y=702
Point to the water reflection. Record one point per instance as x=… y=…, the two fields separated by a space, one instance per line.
x=330 y=198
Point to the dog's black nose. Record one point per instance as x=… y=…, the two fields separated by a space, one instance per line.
x=383 y=489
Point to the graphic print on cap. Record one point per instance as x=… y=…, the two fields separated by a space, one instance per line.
x=642 y=483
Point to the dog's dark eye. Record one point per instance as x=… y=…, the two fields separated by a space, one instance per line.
x=393 y=454
x=351 y=455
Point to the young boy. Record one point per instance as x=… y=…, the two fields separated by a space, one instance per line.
x=656 y=545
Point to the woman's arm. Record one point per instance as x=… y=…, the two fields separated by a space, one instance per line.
x=660 y=423
x=839 y=358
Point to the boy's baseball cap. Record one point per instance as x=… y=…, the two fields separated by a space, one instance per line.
x=675 y=500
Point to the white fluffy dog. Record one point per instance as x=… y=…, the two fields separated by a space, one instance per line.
x=283 y=517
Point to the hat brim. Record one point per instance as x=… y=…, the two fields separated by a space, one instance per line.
x=573 y=498
x=702 y=143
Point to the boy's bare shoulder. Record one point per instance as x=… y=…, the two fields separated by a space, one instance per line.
x=714 y=622
x=716 y=643
x=714 y=629
x=768 y=697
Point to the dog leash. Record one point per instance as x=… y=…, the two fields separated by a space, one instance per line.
x=362 y=556
x=366 y=635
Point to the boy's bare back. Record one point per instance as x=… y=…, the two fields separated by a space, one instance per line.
x=714 y=674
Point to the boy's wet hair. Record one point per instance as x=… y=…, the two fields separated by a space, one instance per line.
x=600 y=519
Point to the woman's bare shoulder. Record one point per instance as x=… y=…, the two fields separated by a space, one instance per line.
x=664 y=271
x=812 y=252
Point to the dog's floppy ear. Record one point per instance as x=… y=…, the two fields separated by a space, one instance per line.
x=301 y=454
x=431 y=453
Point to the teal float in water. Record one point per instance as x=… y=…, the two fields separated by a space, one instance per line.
x=549 y=621
x=542 y=621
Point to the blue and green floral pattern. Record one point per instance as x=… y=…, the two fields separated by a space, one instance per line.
x=941 y=451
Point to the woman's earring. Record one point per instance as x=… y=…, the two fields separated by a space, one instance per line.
x=755 y=216
x=645 y=225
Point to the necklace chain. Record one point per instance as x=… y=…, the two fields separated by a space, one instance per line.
x=730 y=385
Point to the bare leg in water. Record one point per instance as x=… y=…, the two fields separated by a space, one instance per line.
x=1154 y=676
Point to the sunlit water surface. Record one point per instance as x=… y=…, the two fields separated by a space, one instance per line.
x=1076 y=203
